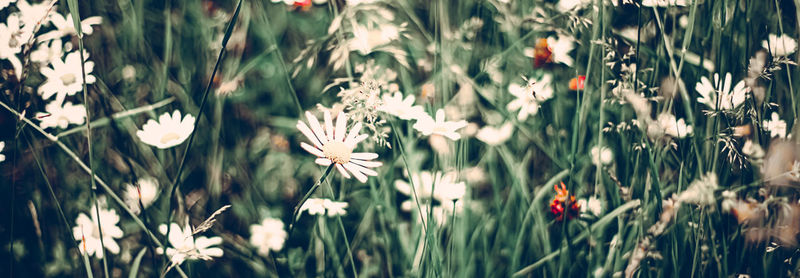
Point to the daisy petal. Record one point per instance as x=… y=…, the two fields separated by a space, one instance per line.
x=307 y=132
x=323 y=161
x=316 y=128
x=312 y=149
x=364 y=156
x=341 y=170
x=341 y=121
x=352 y=168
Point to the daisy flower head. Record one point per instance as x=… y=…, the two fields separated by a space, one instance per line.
x=11 y=41
x=561 y=48
x=495 y=136
x=46 y=52
x=268 y=235
x=403 y=108
x=318 y=206
x=334 y=146
x=147 y=191
x=186 y=247
x=87 y=231
x=775 y=126
x=439 y=126
x=438 y=186
x=65 y=77
x=61 y=116
x=65 y=27
x=780 y=46
x=529 y=97
x=730 y=98
x=168 y=132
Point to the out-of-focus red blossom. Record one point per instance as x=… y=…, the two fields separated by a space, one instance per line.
x=559 y=203
x=303 y=5
x=577 y=83
x=542 y=54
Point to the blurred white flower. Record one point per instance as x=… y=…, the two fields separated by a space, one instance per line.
x=318 y=206
x=601 y=155
x=729 y=99
x=2 y=146
x=561 y=47
x=5 y=3
x=663 y=3
x=147 y=191
x=701 y=191
x=752 y=150
x=168 y=132
x=779 y=46
x=441 y=213
x=525 y=101
x=65 y=27
x=65 y=77
x=269 y=235
x=438 y=186
x=395 y=104
x=61 y=116
x=568 y=5
x=366 y=40
x=673 y=127
x=495 y=136
x=32 y=15
x=593 y=206
x=427 y=126
x=775 y=126
x=45 y=52
x=331 y=146
x=87 y=231
x=186 y=247
x=128 y=73
x=11 y=42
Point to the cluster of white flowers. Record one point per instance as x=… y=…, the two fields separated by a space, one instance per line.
x=317 y=206
x=601 y=155
x=87 y=231
x=591 y=205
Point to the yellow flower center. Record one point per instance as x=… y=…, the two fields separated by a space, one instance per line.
x=68 y=78
x=169 y=137
x=337 y=152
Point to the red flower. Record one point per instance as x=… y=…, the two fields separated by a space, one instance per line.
x=577 y=83
x=542 y=54
x=561 y=200
x=303 y=4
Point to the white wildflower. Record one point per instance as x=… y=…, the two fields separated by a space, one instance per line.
x=184 y=246
x=495 y=136
x=529 y=97
x=701 y=191
x=729 y=99
x=438 y=186
x=168 y=132
x=11 y=41
x=780 y=46
x=775 y=126
x=673 y=127
x=334 y=145
x=561 y=47
x=5 y=3
x=592 y=205
x=366 y=40
x=427 y=126
x=268 y=235
x=601 y=155
x=61 y=116
x=87 y=231
x=65 y=77
x=752 y=150
x=45 y=52
x=664 y=3
x=65 y=26
x=396 y=105
x=318 y=206
x=147 y=192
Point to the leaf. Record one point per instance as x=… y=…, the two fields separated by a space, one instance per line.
x=136 y=262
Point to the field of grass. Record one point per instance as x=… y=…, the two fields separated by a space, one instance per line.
x=407 y=138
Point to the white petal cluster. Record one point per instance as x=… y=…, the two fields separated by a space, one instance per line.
x=87 y=231
x=729 y=98
x=427 y=126
x=495 y=136
x=168 y=131
x=672 y=127
x=333 y=145
x=61 y=116
x=601 y=155
x=268 y=235
x=775 y=126
x=530 y=96
x=147 y=191
x=403 y=108
x=317 y=206
x=780 y=46
x=184 y=246
x=437 y=186
x=65 y=78
x=701 y=191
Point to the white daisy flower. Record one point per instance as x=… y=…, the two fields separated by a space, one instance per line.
x=775 y=126
x=439 y=186
x=673 y=127
x=65 y=77
x=729 y=99
x=45 y=52
x=65 y=27
x=186 y=247
x=365 y=40
x=5 y=3
x=32 y=15
x=663 y=3
x=147 y=192
x=561 y=47
x=87 y=232
x=269 y=235
x=2 y=146
x=752 y=150
x=168 y=132
x=11 y=41
x=569 y=5
x=601 y=155
x=525 y=101
x=396 y=105
x=427 y=126
x=318 y=206
x=780 y=46
x=61 y=116
x=331 y=146
x=495 y=136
